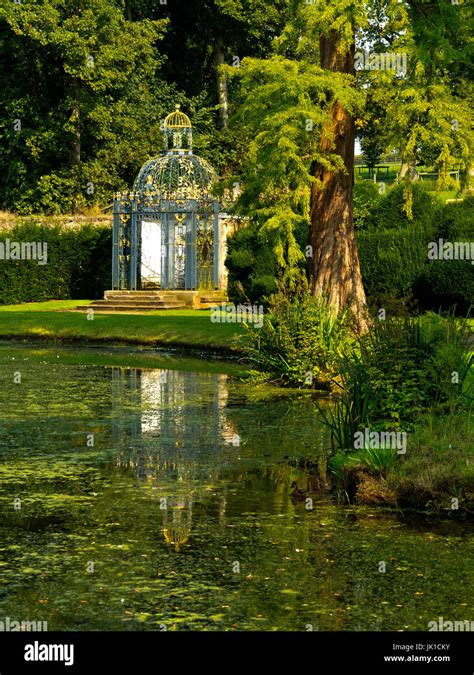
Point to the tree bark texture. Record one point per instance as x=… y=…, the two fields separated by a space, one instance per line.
x=219 y=58
x=334 y=267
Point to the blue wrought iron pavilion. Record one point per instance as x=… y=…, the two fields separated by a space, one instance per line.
x=172 y=193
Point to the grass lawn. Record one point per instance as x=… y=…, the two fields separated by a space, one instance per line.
x=390 y=178
x=54 y=320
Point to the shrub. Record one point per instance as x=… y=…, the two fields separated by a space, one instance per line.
x=365 y=198
x=299 y=341
x=389 y=212
x=401 y=368
x=445 y=283
x=393 y=252
x=252 y=264
x=393 y=249
x=392 y=261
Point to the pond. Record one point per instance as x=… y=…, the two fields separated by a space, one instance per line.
x=159 y=498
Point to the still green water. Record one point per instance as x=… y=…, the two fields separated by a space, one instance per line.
x=159 y=498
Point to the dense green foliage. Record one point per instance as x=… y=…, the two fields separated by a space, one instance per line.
x=388 y=213
x=78 y=264
x=300 y=341
x=401 y=368
x=450 y=282
x=424 y=111
x=86 y=86
x=393 y=251
x=82 y=88
x=284 y=103
x=365 y=196
x=252 y=264
x=397 y=375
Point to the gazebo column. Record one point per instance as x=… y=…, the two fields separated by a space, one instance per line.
x=216 y=257
x=191 y=253
x=133 y=279
x=116 y=246
x=169 y=266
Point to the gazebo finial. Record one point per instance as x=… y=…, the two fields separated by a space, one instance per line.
x=177 y=132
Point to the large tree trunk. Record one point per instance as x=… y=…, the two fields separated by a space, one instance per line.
x=76 y=123
x=219 y=58
x=75 y=120
x=334 y=267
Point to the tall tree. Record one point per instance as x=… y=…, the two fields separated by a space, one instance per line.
x=205 y=34
x=82 y=82
x=334 y=265
x=291 y=177
x=299 y=110
x=423 y=111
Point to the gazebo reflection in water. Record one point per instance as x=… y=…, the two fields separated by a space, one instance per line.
x=165 y=425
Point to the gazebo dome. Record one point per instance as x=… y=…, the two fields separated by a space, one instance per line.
x=176 y=173
x=175 y=177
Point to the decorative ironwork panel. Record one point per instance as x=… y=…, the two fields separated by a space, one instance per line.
x=204 y=251
x=121 y=268
x=179 y=263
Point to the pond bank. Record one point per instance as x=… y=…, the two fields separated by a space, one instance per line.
x=436 y=474
x=44 y=351
x=178 y=347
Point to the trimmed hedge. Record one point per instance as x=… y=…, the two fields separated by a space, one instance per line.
x=450 y=282
x=78 y=264
x=393 y=252
x=394 y=259
x=365 y=197
x=251 y=264
x=388 y=213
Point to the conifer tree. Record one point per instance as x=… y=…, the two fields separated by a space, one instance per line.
x=300 y=108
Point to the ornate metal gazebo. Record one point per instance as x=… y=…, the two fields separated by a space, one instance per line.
x=166 y=231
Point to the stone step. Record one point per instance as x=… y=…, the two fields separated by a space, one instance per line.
x=129 y=292
x=156 y=304
x=128 y=308
x=142 y=301
x=213 y=298
x=123 y=295
x=151 y=300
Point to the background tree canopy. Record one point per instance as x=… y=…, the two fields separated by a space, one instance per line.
x=85 y=85
x=276 y=98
